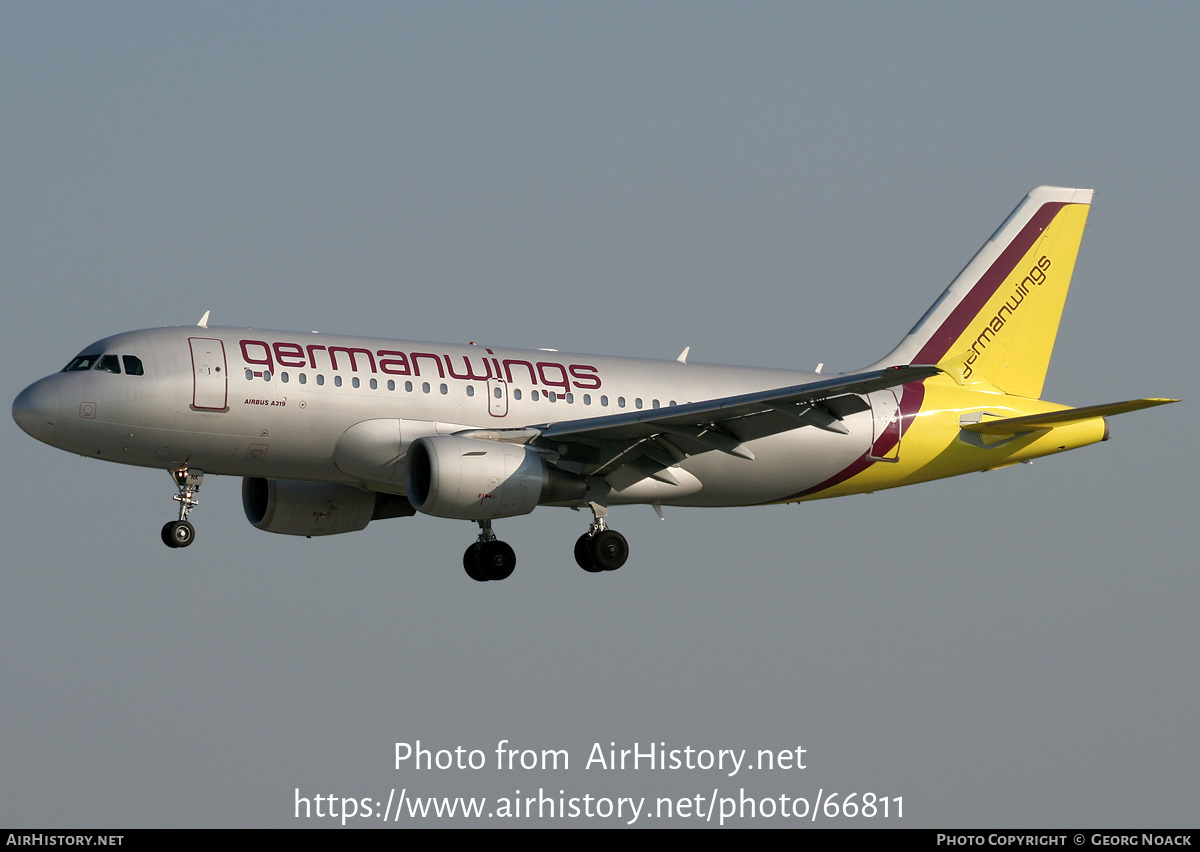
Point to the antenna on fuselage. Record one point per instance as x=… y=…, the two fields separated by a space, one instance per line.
x=204 y=320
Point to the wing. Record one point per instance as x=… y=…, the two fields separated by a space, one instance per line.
x=626 y=448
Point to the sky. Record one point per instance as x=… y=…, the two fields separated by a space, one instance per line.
x=770 y=184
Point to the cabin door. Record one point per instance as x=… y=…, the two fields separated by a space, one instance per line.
x=887 y=426
x=210 y=378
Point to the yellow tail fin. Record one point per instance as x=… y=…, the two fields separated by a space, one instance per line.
x=997 y=321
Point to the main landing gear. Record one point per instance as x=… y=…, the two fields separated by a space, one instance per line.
x=598 y=549
x=601 y=549
x=489 y=558
x=180 y=533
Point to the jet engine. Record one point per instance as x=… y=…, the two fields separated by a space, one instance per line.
x=292 y=507
x=475 y=480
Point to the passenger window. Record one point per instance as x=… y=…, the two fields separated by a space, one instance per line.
x=516 y=393
x=470 y=390
x=374 y=384
x=354 y=381
x=443 y=389
x=391 y=384
x=304 y=378
x=337 y=381
x=320 y=379
x=620 y=402
x=283 y=377
x=108 y=364
x=408 y=387
x=533 y=395
x=604 y=401
x=424 y=387
x=133 y=365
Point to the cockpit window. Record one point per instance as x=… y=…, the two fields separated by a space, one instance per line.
x=81 y=362
x=133 y=365
x=108 y=364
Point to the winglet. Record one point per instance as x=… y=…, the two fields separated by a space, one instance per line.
x=204 y=320
x=682 y=359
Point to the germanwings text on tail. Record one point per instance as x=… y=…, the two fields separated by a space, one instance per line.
x=331 y=432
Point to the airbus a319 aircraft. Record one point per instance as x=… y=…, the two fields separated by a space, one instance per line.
x=332 y=432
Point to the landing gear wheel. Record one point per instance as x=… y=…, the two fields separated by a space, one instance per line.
x=496 y=560
x=471 y=562
x=583 y=555
x=489 y=560
x=178 y=534
x=609 y=550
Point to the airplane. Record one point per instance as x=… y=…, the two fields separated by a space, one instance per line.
x=331 y=432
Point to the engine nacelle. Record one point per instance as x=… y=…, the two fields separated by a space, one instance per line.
x=292 y=507
x=474 y=480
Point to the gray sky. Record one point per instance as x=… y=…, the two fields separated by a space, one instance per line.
x=770 y=184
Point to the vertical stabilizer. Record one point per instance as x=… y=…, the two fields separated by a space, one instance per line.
x=997 y=321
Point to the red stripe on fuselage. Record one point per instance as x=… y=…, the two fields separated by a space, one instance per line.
x=911 y=397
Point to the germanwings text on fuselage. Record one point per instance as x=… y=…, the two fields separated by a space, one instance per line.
x=394 y=362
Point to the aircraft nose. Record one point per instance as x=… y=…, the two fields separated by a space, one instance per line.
x=36 y=409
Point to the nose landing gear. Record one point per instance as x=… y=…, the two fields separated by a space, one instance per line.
x=178 y=533
x=181 y=533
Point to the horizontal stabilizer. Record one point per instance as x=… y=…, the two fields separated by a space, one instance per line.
x=1015 y=425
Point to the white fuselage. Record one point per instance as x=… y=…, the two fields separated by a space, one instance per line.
x=283 y=405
